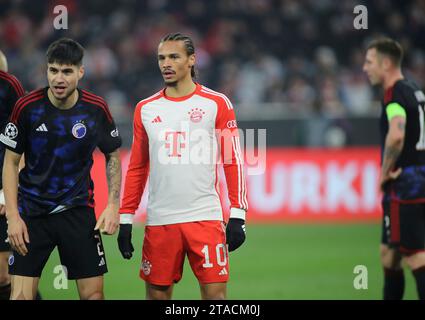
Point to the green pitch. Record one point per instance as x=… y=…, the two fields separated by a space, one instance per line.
x=314 y=261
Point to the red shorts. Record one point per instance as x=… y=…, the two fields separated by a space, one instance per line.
x=165 y=248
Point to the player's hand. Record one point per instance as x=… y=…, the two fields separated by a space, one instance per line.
x=17 y=233
x=108 y=221
x=2 y=209
x=235 y=233
x=393 y=175
x=124 y=240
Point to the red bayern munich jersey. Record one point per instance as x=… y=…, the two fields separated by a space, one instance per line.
x=178 y=143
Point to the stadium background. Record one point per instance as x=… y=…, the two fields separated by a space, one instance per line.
x=291 y=67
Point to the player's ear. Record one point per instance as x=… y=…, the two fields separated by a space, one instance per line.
x=386 y=63
x=192 y=60
x=80 y=72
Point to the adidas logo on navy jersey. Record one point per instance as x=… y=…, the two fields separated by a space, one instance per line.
x=102 y=262
x=157 y=119
x=42 y=127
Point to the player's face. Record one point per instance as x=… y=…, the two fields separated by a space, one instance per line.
x=373 y=66
x=173 y=61
x=63 y=79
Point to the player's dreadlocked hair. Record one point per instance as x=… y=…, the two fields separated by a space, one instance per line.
x=389 y=48
x=65 y=51
x=188 y=44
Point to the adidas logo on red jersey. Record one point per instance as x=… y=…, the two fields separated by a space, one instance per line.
x=223 y=272
x=157 y=119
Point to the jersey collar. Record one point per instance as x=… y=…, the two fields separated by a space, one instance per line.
x=80 y=94
x=197 y=89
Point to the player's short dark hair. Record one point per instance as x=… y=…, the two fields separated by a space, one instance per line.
x=188 y=44
x=388 y=47
x=65 y=51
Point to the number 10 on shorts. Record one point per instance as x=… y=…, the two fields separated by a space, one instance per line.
x=220 y=251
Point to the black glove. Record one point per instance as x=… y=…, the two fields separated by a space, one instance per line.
x=124 y=241
x=235 y=233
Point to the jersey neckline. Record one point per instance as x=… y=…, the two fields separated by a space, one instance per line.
x=197 y=89
x=388 y=93
x=80 y=94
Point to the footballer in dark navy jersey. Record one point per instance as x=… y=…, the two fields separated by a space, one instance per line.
x=58 y=128
x=67 y=138
x=10 y=91
x=402 y=179
x=407 y=100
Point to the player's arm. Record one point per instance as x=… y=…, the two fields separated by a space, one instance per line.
x=394 y=142
x=232 y=158
x=109 y=143
x=109 y=220
x=14 y=92
x=13 y=139
x=2 y=201
x=135 y=181
x=113 y=176
x=17 y=230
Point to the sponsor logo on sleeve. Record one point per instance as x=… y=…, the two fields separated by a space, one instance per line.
x=231 y=124
x=115 y=133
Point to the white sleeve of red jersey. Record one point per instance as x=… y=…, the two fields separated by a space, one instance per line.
x=231 y=157
x=138 y=169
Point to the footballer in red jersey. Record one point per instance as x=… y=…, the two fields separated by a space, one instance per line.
x=179 y=134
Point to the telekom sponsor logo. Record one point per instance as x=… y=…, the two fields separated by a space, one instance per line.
x=174 y=144
x=298 y=185
x=200 y=146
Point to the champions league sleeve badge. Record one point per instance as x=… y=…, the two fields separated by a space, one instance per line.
x=11 y=131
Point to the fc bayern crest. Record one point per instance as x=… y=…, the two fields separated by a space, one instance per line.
x=196 y=114
x=79 y=130
x=146 y=267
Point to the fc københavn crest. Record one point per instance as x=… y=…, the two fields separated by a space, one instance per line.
x=79 y=130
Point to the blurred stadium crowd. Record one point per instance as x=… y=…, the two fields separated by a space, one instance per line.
x=297 y=56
